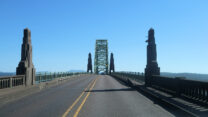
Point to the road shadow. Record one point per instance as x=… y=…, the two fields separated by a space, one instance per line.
x=112 y=90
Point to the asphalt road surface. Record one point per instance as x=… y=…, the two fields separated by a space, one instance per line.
x=87 y=96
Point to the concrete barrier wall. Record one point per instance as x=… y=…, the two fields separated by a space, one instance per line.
x=11 y=81
x=129 y=75
x=44 y=77
x=182 y=87
x=178 y=86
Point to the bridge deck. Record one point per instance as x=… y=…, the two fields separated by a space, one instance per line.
x=99 y=96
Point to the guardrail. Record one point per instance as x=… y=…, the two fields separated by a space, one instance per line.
x=197 y=90
x=11 y=81
x=44 y=77
x=136 y=76
x=179 y=86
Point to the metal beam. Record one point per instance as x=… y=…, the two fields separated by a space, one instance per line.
x=101 y=57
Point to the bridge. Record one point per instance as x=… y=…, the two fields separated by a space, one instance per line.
x=104 y=93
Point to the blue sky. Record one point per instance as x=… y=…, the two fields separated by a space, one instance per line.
x=64 y=32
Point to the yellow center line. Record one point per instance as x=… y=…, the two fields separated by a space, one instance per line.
x=83 y=102
x=77 y=100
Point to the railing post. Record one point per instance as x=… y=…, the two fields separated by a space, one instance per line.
x=45 y=77
x=178 y=86
x=40 y=78
x=50 y=76
x=54 y=75
x=5 y=83
x=24 y=83
x=10 y=83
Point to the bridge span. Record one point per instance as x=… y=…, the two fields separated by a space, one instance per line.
x=85 y=96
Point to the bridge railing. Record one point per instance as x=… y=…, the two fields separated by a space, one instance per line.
x=136 y=76
x=17 y=80
x=180 y=86
x=189 y=88
x=44 y=77
x=11 y=81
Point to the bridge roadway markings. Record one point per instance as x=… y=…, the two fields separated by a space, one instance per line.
x=92 y=84
x=83 y=102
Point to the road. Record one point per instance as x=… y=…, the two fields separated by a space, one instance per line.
x=88 y=96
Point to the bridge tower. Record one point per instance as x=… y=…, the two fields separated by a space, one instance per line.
x=89 y=65
x=112 y=67
x=101 y=57
x=26 y=66
x=152 y=65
